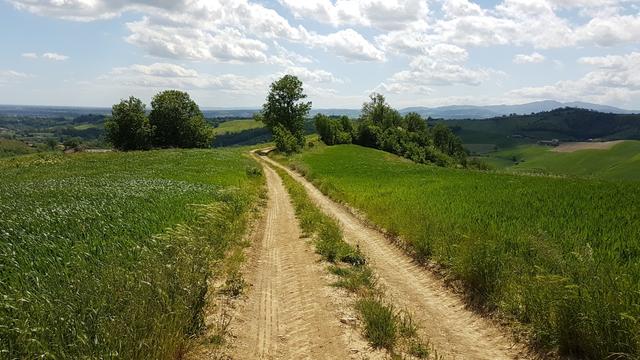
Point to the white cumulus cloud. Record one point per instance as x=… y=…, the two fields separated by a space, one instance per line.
x=528 y=59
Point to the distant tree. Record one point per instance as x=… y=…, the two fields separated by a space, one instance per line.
x=128 y=127
x=414 y=122
x=286 y=110
x=178 y=121
x=72 y=143
x=334 y=131
x=447 y=142
x=375 y=109
x=51 y=143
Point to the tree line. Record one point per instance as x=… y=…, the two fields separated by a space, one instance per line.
x=382 y=127
x=175 y=120
x=379 y=126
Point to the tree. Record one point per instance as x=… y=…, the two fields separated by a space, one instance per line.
x=447 y=142
x=285 y=141
x=376 y=110
x=414 y=122
x=334 y=131
x=285 y=108
x=178 y=121
x=128 y=127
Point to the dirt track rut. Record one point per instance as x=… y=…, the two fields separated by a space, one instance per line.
x=288 y=314
x=454 y=331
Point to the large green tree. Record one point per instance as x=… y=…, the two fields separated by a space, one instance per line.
x=284 y=112
x=178 y=121
x=128 y=127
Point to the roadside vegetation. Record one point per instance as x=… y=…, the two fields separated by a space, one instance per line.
x=384 y=326
x=109 y=255
x=560 y=256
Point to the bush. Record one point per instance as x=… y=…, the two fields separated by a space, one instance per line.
x=285 y=141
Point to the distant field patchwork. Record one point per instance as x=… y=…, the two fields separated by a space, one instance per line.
x=615 y=161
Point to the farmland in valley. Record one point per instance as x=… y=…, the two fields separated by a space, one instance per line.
x=621 y=161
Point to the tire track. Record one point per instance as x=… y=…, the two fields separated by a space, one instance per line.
x=288 y=313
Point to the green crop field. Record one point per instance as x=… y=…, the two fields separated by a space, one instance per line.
x=236 y=126
x=560 y=255
x=621 y=162
x=108 y=255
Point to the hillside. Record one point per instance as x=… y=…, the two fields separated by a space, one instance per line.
x=620 y=162
x=566 y=124
x=550 y=252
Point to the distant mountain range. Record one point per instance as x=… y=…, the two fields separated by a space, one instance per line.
x=449 y=112
x=485 y=112
x=441 y=112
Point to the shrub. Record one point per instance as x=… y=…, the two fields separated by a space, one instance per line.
x=285 y=141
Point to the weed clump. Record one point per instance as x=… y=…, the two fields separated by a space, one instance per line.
x=381 y=327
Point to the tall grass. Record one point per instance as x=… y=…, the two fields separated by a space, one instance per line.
x=108 y=255
x=561 y=255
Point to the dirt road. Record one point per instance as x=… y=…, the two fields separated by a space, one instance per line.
x=454 y=331
x=288 y=314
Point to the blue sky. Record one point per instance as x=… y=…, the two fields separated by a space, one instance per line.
x=226 y=52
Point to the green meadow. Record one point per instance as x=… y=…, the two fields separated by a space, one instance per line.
x=237 y=126
x=561 y=256
x=621 y=162
x=108 y=255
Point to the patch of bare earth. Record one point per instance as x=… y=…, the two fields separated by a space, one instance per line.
x=289 y=310
x=576 y=146
x=454 y=331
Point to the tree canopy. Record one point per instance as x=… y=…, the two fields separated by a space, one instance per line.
x=174 y=121
x=284 y=112
x=128 y=128
x=178 y=121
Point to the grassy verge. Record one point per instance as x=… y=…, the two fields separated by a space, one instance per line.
x=384 y=326
x=109 y=255
x=559 y=255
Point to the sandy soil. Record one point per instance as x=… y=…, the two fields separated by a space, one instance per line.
x=453 y=330
x=575 y=146
x=290 y=311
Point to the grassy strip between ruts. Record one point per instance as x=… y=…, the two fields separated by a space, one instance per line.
x=384 y=325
